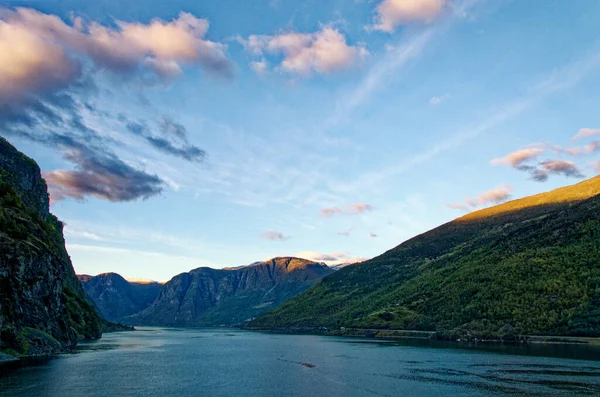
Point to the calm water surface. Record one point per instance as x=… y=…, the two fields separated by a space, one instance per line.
x=208 y=362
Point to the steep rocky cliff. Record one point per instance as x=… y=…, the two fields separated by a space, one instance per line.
x=42 y=304
x=213 y=297
x=117 y=298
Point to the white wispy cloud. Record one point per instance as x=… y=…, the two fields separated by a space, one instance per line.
x=560 y=79
x=407 y=50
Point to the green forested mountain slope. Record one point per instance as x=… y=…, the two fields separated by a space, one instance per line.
x=533 y=263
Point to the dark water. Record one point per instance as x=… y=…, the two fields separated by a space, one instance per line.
x=159 y=362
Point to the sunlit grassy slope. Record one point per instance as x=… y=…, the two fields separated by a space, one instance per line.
x=533 y=263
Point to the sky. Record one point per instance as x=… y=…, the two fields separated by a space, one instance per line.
x=181 y=134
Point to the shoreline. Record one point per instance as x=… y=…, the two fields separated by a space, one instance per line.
x=7 y=359
x=395 y=334
x=519 y=341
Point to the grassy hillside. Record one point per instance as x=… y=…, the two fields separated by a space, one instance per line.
x=532 y=263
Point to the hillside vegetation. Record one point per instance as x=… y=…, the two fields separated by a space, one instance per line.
x=530 y=266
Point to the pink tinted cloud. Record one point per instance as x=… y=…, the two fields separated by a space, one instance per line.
x=331 y=211
x=586 y=133
x=40 y=52
x=352 y=209
x=595 y=165
x=323 y=52
x=359 y=208
x=493 y=196
x=592 y=147
x=517 y=158
x=394 y=13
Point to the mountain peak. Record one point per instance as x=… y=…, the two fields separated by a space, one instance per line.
x=290 y=263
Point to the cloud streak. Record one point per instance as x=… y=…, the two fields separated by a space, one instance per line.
x=493 y=196
x=586 y=133
x=274 y=236
x=352 y=209
x=517 y=158
x=331 y=259
x=172 y=140
x=331 y=211
x=98 y=171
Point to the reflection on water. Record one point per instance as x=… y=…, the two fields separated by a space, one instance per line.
x=577 y=351
x=174 y=362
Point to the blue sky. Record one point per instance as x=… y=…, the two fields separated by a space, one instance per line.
x=240 y=131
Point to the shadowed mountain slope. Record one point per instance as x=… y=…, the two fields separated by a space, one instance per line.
x=213 y=297
x=117 y=298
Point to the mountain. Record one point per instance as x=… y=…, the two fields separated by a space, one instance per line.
x=213 y=297
x=117 y=298
x=42 y=304
x=531 y=266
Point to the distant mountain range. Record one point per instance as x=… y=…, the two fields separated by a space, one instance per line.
x=530 y=266
x=204 y=296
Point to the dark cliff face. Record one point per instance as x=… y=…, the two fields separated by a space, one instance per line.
x=24 y=176
x=116 y=297
x=213 y=297
x=42 y=306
